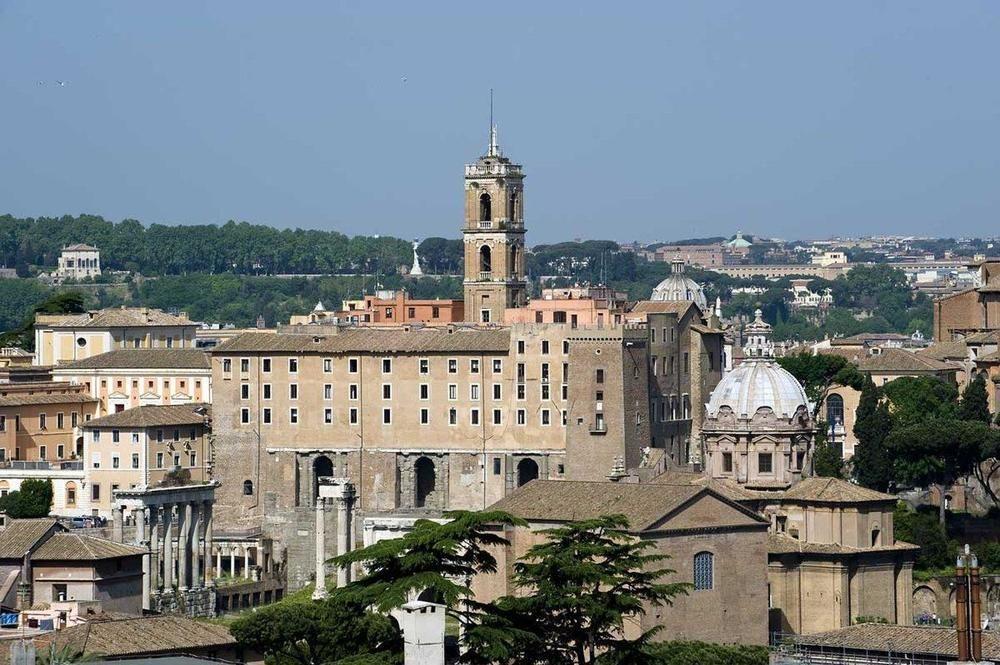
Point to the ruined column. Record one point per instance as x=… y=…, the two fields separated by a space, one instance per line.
x=232 y=560
x=320 y=591
x=155 y=556
x=344 y=519
x=246 y=562
x=206 y=510
x=168 y=547
x=117 y=532
x=183 y=545
x=142 y=540
x=197 y=581
x=218 y=560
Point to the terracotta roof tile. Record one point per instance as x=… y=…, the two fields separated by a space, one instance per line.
x=678 y=307
x=74 y=547
x=113 y=318
x=929 y=640
x=832 y=490
x=900 y=360
x=19 y=399
x=154 y=416
x=140 y=636
x=782 y=544
x=424 y=339
x=20 y=535
x=143 y=359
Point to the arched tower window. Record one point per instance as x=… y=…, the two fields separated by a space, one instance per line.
x=835 y=409
x=513 y=260
x=322 y=468
x=247 y=488
x=485 y=259
x=485 y=212
x=704 y=571
x=527 y=470
x=512 y=214
x=426 y=481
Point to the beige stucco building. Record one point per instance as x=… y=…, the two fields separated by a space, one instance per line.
x=42 y=421
x=126 y=378
x=61 y=338
x=140 y=446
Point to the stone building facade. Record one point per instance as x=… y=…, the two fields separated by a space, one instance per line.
x=972 y=310
x=78 y=261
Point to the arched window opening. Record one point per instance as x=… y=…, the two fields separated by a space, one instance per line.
x=512 y=213
x=247 y=488
x=70 y=494
x=426 y=480
x=835 y=409
x=876 y=537
x=485 y=259
x=485 y=212
x=513 y=261
x=431 y=596
x=322 y=468
x=527 y=470
x=704 y=565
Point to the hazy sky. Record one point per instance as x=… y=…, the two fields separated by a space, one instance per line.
x=633 y=121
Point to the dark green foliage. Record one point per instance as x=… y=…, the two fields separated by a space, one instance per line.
x=442 y=256
x=924 y=529
x=176 y=478
x=818 y=373
x=435 y=558
x=20 y=296
x=33 y=499
x=916 y=399
x=59 y=302
x=975 y=404
x=828 y=459
x=307 y=632
x=872 y=465
x=703 y=653
x=575 y=592
x=936 y=452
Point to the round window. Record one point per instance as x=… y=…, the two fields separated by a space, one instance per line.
x=80 y=341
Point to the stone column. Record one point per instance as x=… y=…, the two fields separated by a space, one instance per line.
x=142 y=540
x=246 y=562
x=168 y=547
x=155 y=556
x=320 y=591
x=116 y=524
x=206 y=511
x=232 y=560
x=344 y=532
x=183 y=539
x=197 y=581
x=218 y=560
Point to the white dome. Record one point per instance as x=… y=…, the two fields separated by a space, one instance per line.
x=680 y=287
x=757 y=383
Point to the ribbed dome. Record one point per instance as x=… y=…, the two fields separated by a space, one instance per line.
x=756 y=383
x=680 y=287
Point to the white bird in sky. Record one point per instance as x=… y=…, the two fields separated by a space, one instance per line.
x=61 y=83
x=404 y=79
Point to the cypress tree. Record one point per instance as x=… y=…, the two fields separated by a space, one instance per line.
x=872 y=424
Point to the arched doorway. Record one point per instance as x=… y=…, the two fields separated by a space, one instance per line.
x=485 y=260
x=527 y=470
x=322 y=468
x=485 y=209
x=425 y=481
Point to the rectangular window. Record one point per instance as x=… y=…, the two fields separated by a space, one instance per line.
x=135 y=460
x=600 y=376
x=520 y=372
x=159 y=460
x=545 y=347
x=328 y=416
x=41 y=420
x=327 y=365
x=293 y=416
x=545 y=392
x=266 y=416
x=497 y=417
x=497 y=466
x=386 y=391
x=293 y=391
x=352 y=392
x=564 y=417
x=452 y=391
x=116 y=436
x=727 y=462
x=497 y=390
x=520 y=391
x=60 y=451
x=328 y=391
x=352 y=416
x=266 y=390
x=265 y=365
x=520 y=346
x=474 y=391
x=244 y=391
x=60 y=421
x=425 y=366
x=565 y=347
x=497 y=365
x=42 y=452
x=474 y=416
x=95 y=492
x=521 y=416
x=474 y=366
x=244 y=365
x=546 y=417
x=96 y=436
x=293 y=365
x=452 y=416
x=452 y=365
x=227 y=365
x=764 y=462
x=244 y=416
x=352 y=365
x=193 y=460
x=135 y=438
x=387 y=365
x=425 y=416
x=386 y=416
x=115 y=462
x=74 y=419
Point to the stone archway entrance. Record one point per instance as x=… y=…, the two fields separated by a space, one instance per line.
x=527 y=470
x=425 y=482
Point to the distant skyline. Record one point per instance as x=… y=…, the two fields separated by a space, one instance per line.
x=634 y=121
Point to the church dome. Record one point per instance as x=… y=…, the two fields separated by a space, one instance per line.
x=678 y=286
x=758 y=381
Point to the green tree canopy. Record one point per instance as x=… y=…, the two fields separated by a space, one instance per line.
x=818 y=373
x=915 y=399
x=975 y=404
x=32 y=500
x=872 y=464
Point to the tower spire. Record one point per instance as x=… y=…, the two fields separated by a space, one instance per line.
x=494 y=149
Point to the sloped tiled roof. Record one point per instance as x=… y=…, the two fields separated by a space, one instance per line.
x=74 y=547
x=80 y=247
x=140 y=636
x=115 y=318
x=832 y=490
x=153 y=416
x=20 y=399
x=644 y=504
x=782 y=544
x=931 y=640
x=20 y=535
x=677 y=307
x=956 y=350
x=423 y=339
x=900 y=360
x=143 y=359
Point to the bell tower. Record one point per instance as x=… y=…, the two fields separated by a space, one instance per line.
x=493 y=235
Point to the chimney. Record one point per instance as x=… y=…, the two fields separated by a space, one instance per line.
x=422 y=624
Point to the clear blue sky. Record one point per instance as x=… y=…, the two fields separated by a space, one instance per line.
x=633 y=121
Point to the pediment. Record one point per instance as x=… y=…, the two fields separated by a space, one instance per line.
x=180 y=397
x=707 y=511
x=117 y=395
x=149 y=396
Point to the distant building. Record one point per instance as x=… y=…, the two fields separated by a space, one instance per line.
x=79 y=261
x=679 y=287
x=829 y=258
x=803 y=298
x=596 y=306
x=386 y=307
x=40 y=422
x=973 y=310
x=61 y=338
x=704 y=256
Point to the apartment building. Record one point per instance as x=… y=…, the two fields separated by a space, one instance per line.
x=126 y=378
x=141 y=446
x=41 y=422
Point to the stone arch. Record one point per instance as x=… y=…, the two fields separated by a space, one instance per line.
x=876 y=535
x=835 y=409
x=485 y=259
x=485 y=207
x=925 y=603
x=322 y=468
x=527 y=470
x=513 y=205
x=513 y=260
x=425 y=482
x=247 y=487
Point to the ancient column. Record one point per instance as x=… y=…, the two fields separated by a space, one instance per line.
x=206 y=511
x=155 y=556
x=218 y=560
x=183 y=538
x=168 y=547
x=197 y=581
x=320 y=591
x=343 y=535
x=116 y=524
x=142 y=540
x=246 y=562
x=232 y=560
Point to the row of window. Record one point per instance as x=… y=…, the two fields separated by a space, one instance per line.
x=192 y=460
x=151 y=384
x=667 y=365
x=424 y=391
x=765 y=462
x=672 y=408
x=520 y=415
x=159 y=435
x=43 y=421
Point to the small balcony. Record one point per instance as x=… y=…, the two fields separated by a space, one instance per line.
x=486 y=276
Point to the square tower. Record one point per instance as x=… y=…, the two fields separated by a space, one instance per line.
x=494 y=236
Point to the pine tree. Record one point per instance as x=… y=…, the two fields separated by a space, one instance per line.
x=975 y=404
x=872 y=424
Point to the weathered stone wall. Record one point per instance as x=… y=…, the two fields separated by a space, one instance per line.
x=192 y=602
